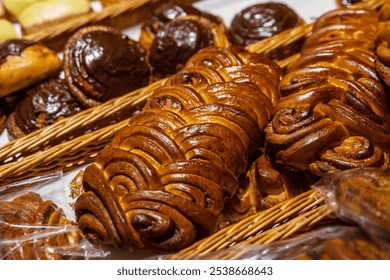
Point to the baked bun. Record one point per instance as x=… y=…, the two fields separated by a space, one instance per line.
x=333 y=114
x=7 y=30
x=264 y=20
x=44 y=104
x=163 y=181
x=167 y=12
x=179 y=39
x=28 y=215
x=24 y=63
x=100 y=63
x=34 y=14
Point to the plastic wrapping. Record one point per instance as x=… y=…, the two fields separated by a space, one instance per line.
x=32 y=226
x=336 y=242
x=361 y=197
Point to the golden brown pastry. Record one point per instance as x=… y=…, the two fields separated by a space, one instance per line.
x=29 y=214
x=100 y=63
x=24 y=63
x=7 y=30
x=163 y=181
x=44 y=104
x=382 y=42
x=3 y=115
x=34 y=14
x=264 y=20
x=333 y=114
x=177 y=40
x=167 y=12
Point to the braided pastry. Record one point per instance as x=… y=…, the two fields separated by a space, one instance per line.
x=163 y=181
x=382 y=43
x=333 y=114
x=29 y=215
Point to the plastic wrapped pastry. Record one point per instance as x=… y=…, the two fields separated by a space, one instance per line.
x=333 y=114
x=100 y=63
x=162 y=182
x=44 y=104
x=24 y=63
x=362 y=197
x=264 y=20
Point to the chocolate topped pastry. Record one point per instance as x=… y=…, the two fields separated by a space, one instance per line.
x=179 y=39
x=167 y=12
x=42 y=106
x=100 y=63
x=261 y=21
x=23 y=63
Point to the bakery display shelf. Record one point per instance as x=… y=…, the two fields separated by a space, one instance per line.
x=40 y=152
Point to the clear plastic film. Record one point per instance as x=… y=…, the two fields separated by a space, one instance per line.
x=33 y=226
x=361 y=197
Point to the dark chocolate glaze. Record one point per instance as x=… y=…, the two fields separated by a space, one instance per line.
x=261 y=21
x=44 y=104
x=175 y=43
x=105 y=65
x=169 y=11
x=13 y=47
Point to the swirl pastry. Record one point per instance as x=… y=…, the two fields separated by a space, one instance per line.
x=24 y=63
x=382 y=44
x=41 y=106
x=163 y=181
x=29 y=216
x=100 y=63
x=179 y=39
x=167 y=12
x=264 y=20
x=333 y=114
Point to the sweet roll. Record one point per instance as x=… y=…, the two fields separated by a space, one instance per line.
x=163 y=181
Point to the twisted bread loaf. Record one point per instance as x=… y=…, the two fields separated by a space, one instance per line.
x=333 y=114
x=382 y=42
x=163 y=181
x=25 y=223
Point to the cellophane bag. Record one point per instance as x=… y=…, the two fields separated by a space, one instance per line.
x=34 y=227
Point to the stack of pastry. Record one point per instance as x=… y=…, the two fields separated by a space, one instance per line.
x=37 y=229
x=163 y=181
x=333 y=114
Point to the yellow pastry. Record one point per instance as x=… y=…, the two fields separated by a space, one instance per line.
x=7 y=30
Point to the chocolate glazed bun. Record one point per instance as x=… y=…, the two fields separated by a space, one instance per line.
x=44 y=104
x=163 y=181
x=382 y=44
x=264 y=20
x=179 y=39
x=167 y=12
x=334 y=112
x=100 y=63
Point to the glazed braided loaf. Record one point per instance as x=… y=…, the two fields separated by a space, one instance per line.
x=163 y=181
x=333 y=113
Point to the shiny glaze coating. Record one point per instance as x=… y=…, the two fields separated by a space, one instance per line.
x=100 y=63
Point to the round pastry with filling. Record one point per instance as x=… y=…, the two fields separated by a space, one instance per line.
x=100 y=63
x=264 y=20
x=167 y=12
x=24 y=63
x=41 y=106
x=179 y=39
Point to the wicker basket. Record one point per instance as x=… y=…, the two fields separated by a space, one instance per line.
x=39 y=153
